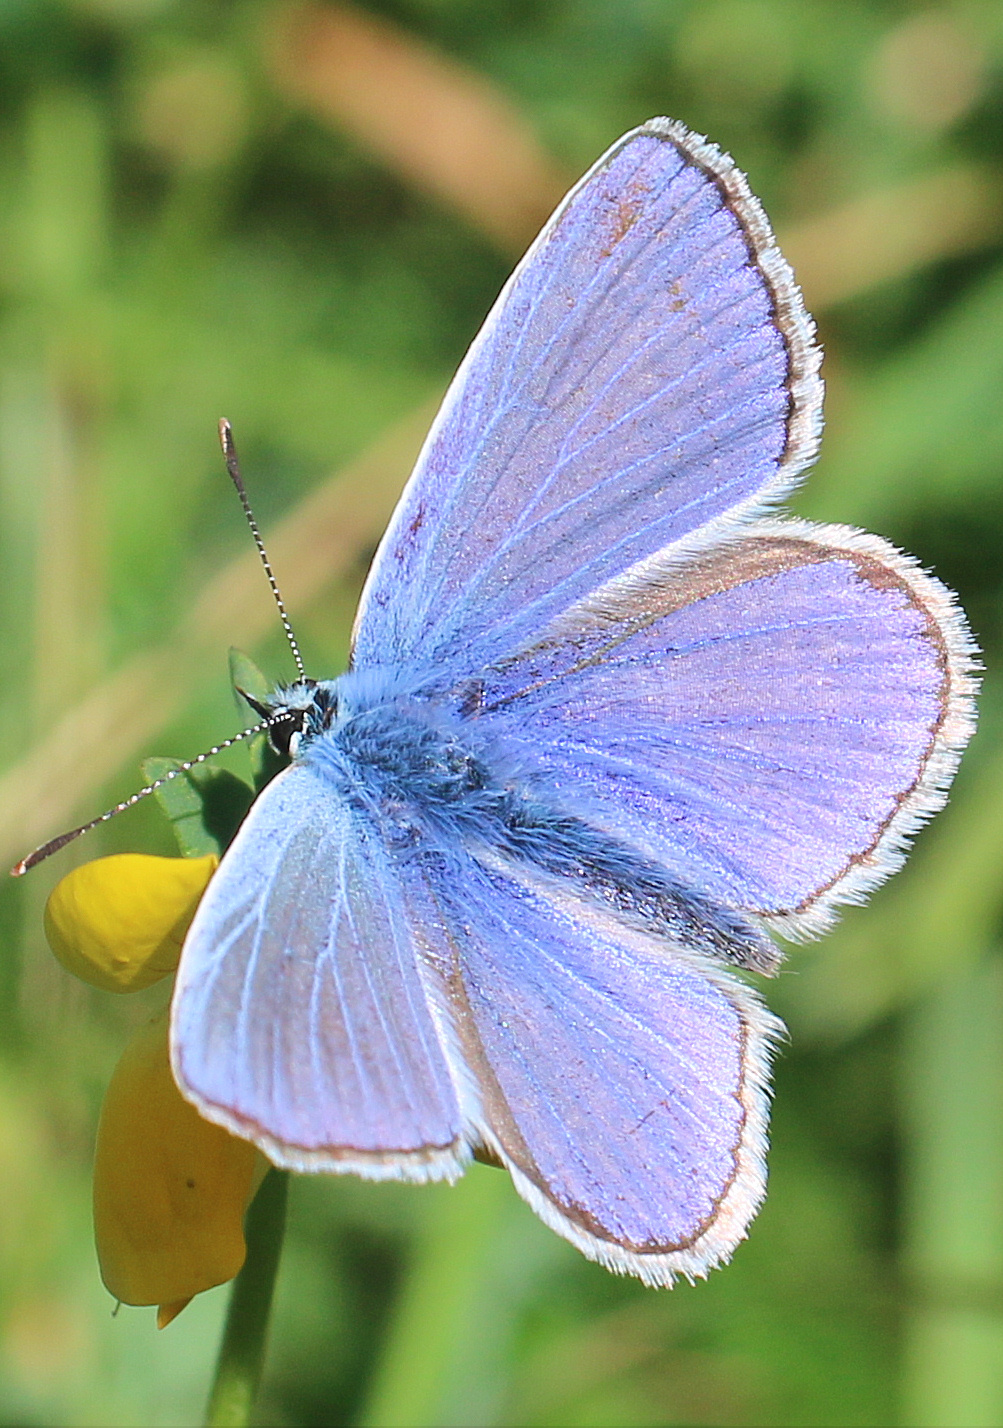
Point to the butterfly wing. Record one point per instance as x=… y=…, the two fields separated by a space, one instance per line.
x=647 y=374
x=301 y=1019
x=622 y=1080
x=769 y=721
x=351 y=1009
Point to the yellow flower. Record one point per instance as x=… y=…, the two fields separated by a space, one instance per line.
x=170 y=1189
x=119 y=922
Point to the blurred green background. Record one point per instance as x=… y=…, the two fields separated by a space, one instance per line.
x=296 y=217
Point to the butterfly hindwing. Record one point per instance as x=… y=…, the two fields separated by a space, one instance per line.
x=622 y=1079
x=769 y=720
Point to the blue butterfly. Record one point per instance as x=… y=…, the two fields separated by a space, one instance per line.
x=608 y=723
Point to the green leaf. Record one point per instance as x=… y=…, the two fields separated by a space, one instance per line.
x=205 y=806
x=247 y=678
x=265 y=762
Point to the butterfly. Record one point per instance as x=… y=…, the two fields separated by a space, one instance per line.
x=609 y=722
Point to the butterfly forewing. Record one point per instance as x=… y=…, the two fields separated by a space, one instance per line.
x=301 y=1019
x=648 y=370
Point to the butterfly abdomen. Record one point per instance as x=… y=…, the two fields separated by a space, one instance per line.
x=639 y=890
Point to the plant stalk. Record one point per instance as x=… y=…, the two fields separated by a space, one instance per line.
x=242 y=1350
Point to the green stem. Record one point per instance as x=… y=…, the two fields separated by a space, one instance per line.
x=242 y=1351
x=953 y=1243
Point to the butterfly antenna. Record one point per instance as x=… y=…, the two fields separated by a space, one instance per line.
x=54 y=845
x=233 y=466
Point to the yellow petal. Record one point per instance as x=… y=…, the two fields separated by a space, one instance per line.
x=170 y=1189
x=119 y=922
x=167 y=1313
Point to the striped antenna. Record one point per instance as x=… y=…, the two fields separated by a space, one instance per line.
x=233 y=466
x=54 y=845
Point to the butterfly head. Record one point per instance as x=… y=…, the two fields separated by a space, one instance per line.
x=297 y=712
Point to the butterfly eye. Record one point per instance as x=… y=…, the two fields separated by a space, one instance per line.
x=324 y=709
x=284 y=730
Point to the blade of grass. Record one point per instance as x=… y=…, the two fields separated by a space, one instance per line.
x=446 y=128
x=925 y=426
x=894 y=231
x=952 y=1095
x=419 y=1381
